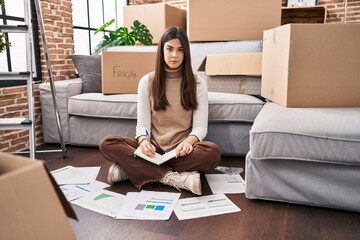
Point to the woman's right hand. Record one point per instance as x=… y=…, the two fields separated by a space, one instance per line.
x=147 y=148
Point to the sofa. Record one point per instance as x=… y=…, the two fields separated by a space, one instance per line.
x=306 y=156
x=87 y=115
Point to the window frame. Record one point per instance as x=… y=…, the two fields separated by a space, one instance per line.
x=35 y=45
x=90 y=29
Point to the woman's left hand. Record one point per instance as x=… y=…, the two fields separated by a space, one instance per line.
x=184 y=148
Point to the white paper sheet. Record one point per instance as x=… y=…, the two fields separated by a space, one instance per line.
x=148 y=205
x=75 y=175
x=73 y=192
x=224 y=183
x=196 y=207
x=102 y=201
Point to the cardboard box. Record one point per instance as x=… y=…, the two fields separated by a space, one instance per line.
x=226 y=20
x=32 y=205
x=312 y=65
x=122 y=70
x=233 y=73
x=156 y=17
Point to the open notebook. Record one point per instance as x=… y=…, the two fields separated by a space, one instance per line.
x=158 y=159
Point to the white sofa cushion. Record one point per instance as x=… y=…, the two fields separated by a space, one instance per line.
x=122 y=106
x=223 y=107
x=232 y=107
x=309 y=134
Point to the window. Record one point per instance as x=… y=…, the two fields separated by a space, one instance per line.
x=12 y=59
x=89 y=15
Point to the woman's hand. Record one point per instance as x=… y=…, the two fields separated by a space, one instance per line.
x=186 y=146
x=147 y=148
x=183 y=149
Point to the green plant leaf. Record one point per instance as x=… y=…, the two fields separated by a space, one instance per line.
x=143 y=34
x=3 y=43
x=123 y=37
x=105 y=25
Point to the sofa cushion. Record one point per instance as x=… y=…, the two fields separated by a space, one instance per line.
x=232 y=107
x=223 y=107
x=122 y=106
x=309 y=134
x=89 y=70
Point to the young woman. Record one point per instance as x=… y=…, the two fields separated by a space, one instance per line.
x=172 y=112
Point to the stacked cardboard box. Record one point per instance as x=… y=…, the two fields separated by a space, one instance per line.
x=205 y=21
x=227 y=20
x=123 y=67
x=156 y=17
x=233 y=73
x=312 y=65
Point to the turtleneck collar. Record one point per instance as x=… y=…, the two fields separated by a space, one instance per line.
x=173 y=73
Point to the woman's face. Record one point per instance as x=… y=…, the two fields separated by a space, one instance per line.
x=173 y=53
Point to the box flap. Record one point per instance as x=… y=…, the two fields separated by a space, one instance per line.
x=28 y=199
x=232 y=64
x=202 y=65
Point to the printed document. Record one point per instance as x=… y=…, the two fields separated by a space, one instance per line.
x=148 y=205
x=158 y=159
x=225 y=183
x=75 y=175
x=196 y=207
x=102 y=201
x=75 y=191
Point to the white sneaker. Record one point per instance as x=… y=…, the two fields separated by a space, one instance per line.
x=116 y=174
x=185 y=180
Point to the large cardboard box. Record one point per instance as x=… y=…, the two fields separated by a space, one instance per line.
x=225 y=20
x=233 y=73
x=31 y=204
x=122 y=68
x=312 y=65
x=156 y=17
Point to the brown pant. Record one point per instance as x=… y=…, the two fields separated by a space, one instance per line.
x=205 y=155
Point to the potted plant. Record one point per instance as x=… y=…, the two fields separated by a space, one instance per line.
x=139 y=34
x=3 y=42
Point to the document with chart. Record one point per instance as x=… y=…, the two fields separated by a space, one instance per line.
x=102 y=201
x=148 y=205
x=188 y=208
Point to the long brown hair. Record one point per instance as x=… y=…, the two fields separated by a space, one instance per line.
x=188 y=82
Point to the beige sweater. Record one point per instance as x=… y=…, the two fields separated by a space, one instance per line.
x=168 y=128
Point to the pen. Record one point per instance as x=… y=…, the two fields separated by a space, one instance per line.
x=147 y=134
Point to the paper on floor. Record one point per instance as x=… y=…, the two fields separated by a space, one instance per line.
x=196 y=207
x=224 y=183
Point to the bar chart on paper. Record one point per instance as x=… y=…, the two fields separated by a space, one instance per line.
x=148 y=205
x=103 y=201
x=196 y=207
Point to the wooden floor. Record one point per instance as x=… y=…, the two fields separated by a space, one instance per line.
x=258 y=219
